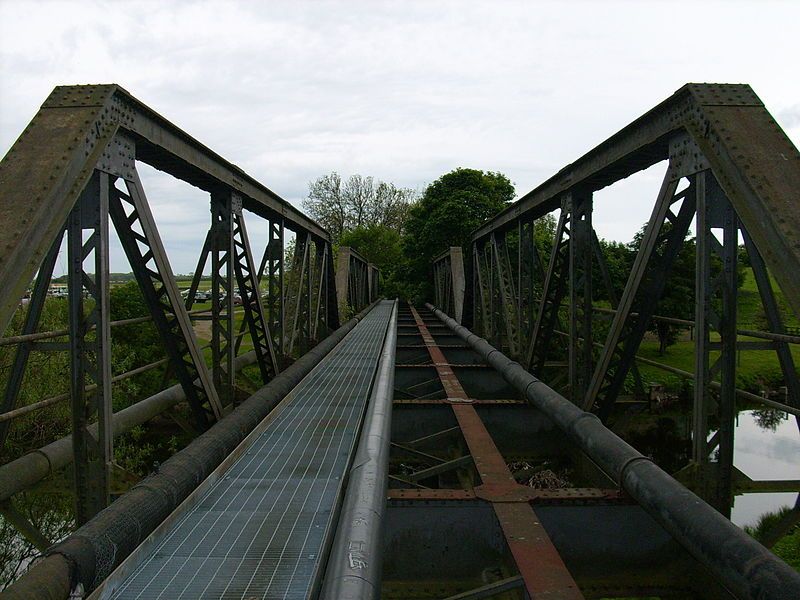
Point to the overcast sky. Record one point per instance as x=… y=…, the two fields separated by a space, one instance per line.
x=403 y=91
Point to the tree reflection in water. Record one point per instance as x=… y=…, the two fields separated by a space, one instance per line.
x=769 y=418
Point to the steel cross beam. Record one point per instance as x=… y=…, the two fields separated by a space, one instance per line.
x=539 y=563
x=49 y=165
x=140 y=239
x=660 y=245
x=250 y=292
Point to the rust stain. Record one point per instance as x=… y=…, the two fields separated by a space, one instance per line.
x=537 y=559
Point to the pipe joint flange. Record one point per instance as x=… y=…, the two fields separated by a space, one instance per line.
x=627 y=464
x=46 y=457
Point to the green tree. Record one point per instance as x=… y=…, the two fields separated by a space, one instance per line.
x=341 y=206
x=677 y=300
x=381 y=245
x=449 y=210
x=619 y=259
x=133 y=345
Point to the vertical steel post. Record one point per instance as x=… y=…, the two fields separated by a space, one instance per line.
x=477 y=294
x=579 y=204
x=702 y=285
x=222 y=317
x=275 y=284
x=90 y=348
x=715 y=309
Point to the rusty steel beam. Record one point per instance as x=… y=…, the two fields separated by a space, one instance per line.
x=538 y=561
x=738 y=562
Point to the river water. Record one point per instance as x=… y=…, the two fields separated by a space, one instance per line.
x=764 y=454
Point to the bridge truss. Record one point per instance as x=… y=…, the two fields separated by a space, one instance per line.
x=731 y=170
x=72 y=178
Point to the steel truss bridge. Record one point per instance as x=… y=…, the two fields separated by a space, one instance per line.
x=388 y=448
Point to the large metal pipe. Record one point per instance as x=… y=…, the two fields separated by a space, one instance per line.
x=354 y=566
x=745 y=567
x=31 y=468
x=95 y=549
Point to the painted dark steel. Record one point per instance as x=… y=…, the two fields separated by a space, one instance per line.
x=753 y=159
x=90 y=355
x=742 y=565
x=53 y=159
x=142 y=244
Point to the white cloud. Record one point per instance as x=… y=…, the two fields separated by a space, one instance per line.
x=403 y=91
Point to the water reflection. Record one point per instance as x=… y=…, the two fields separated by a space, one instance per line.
x=767 y=447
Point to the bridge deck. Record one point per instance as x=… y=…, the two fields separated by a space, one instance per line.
x=258 y=531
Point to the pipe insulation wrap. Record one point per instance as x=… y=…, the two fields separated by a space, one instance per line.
x=745 y=567
x=354 y=566
x=95 y=549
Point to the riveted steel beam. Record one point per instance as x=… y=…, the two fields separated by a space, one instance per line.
x=50 y=164
x=754 y=161
x=90 y=348
x=142 y=244
x=223 y=349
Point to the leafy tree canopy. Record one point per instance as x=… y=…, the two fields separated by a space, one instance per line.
x=380 y=245
x=340 y=206
x=449 y=210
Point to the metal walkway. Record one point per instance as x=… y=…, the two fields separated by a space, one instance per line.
x=259 y=530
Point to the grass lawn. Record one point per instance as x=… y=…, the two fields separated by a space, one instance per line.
x=755 y=368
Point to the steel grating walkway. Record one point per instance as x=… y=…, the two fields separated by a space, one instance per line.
x=259 y=530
